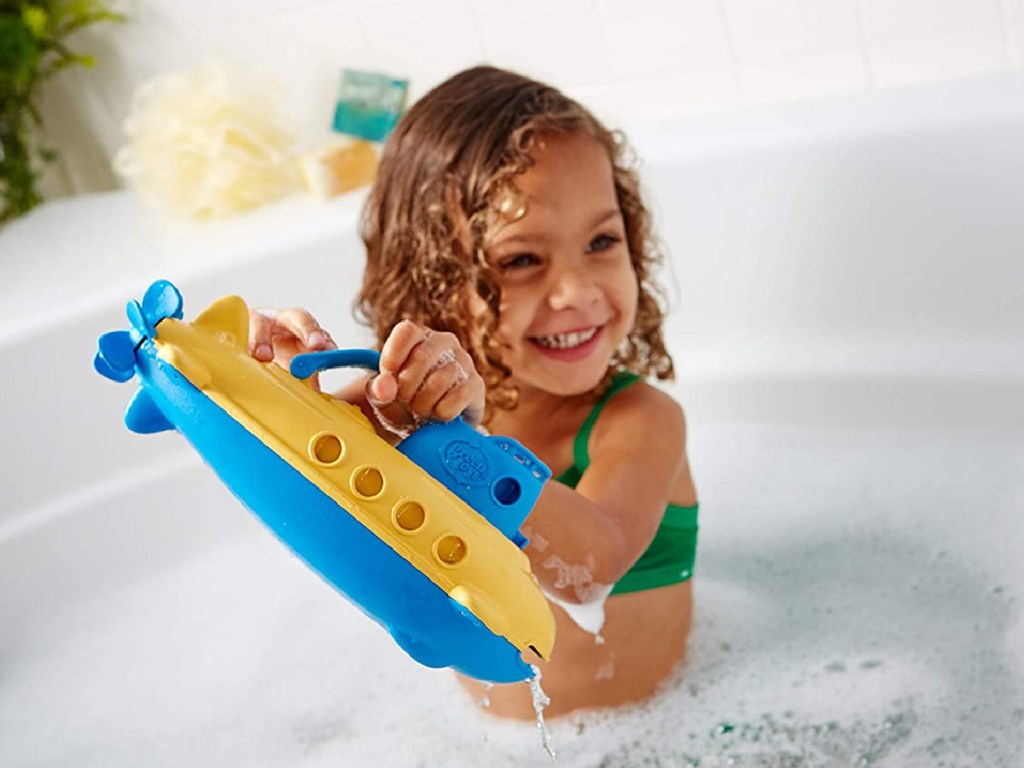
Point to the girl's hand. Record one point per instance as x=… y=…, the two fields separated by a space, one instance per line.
x=425 y=375
x=279 y=335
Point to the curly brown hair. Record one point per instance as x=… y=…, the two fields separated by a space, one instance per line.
x=445 y=179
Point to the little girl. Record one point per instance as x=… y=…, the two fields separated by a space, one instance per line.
x=508 y=279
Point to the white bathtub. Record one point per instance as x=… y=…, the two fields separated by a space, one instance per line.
x=849 y=330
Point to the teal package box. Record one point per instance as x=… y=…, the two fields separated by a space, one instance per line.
x=369 y=104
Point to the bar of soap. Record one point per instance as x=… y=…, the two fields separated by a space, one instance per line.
x=339 y=166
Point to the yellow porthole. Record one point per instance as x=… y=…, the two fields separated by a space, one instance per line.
x=326 y=449
x=409 y=516
x=450 y=549
x=368 y=482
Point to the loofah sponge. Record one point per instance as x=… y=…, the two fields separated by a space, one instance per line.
x=208 y=143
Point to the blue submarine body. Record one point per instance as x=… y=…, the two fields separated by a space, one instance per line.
x=423 y=538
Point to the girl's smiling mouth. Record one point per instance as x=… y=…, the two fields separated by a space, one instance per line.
x=571 y=345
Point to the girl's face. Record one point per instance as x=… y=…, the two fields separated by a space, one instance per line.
x=569 y=292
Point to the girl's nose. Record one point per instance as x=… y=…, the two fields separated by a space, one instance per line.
x=573 y=289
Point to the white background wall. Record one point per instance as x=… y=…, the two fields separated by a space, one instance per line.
x=634 y=62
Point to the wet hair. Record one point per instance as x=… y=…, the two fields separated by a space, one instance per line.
x=446 y=178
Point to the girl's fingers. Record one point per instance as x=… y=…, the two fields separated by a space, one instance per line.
x=281 y=334
x=391 y=414
x=430 y=374
x=451 y=387
x=301 y=325
x=467 y=396
x=402 y=340
x=462 y=400
x=383 y=388
x=441 y=380
x=434 y=350
x=261 y=345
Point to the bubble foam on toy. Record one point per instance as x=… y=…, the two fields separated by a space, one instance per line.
x=423 y=537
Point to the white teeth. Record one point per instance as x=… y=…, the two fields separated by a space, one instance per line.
x=566 y=340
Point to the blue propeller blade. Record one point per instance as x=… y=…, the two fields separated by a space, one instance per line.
x=162 y=300
x=103 y=368
x=139 y=320
x=116 y=356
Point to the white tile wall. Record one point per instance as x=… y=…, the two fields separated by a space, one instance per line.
x=916 y=40
x=655 y=38
x=440 y=37
x=678 y=94
x=934 y=58
x=886 y=21
x=632 y=61
x=1013 y=19
x=805 y=76
x=538 y=37
x=769 y=31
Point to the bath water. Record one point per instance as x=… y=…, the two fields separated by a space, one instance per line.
x=857 y=603
x=540 y=700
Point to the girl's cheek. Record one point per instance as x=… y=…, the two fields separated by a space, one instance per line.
x=506 y=319
x=503 y=334
x=513 y=319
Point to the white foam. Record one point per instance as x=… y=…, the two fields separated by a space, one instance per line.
x=864 y=608
x=588 y=616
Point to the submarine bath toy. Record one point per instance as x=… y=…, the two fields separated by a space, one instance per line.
x=423 y=537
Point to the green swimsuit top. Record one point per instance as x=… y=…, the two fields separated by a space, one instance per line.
x=671 y=555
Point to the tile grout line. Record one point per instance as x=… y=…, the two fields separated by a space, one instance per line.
x=734 y=57
x=862 y=32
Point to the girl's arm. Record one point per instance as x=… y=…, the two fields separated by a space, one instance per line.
x=584 y=540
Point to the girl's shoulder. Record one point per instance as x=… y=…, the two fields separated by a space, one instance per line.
x=638 y=412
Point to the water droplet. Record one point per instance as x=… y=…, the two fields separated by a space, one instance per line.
x=540 y=700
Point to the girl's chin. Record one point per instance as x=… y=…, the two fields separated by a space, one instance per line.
x=563 y=372
x=565 y=383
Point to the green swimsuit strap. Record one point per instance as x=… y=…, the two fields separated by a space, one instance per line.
x=580 y=451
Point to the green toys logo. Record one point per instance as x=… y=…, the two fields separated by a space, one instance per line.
x=466 y=463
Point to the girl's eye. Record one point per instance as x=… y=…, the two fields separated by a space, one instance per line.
x=519 y=261
x=602 y=243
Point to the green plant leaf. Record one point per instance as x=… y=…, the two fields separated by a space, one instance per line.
x=19 y=54
x=32 y=49
x=36 y=19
